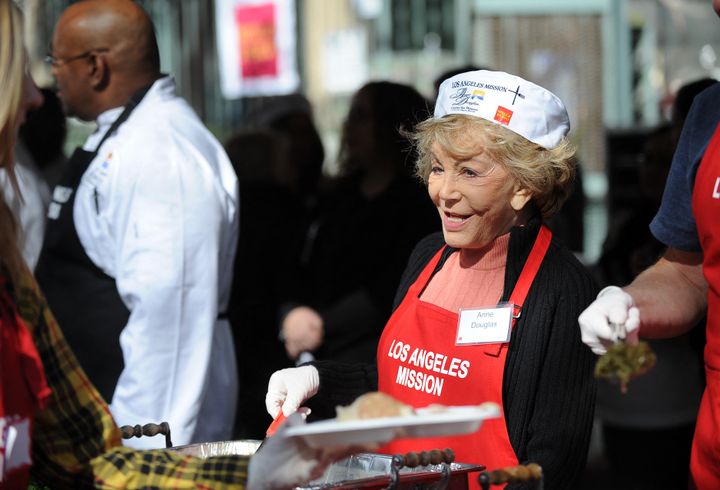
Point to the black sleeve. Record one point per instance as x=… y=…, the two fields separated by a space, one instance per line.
x=340 y=384
x=348 y=319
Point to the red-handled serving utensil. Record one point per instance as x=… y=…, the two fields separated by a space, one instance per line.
x=277 y=422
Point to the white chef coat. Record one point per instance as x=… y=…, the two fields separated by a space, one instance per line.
x=157 y=210
x=30 y=212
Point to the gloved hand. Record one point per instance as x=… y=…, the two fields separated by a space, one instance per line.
x=284 y=462
x=288 y=388
x=612 y=316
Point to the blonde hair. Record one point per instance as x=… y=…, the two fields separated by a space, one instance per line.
x=12 y=73
x=547 y=173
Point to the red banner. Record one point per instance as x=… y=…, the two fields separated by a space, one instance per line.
x=256 y=27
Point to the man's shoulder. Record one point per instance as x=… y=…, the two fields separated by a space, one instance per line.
x=702 y=120
x=168 y=114
x=165 y=125
x=708 y=98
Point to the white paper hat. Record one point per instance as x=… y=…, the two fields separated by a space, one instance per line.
x=523 y=107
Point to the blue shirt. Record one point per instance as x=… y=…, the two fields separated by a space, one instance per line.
x=674 y=224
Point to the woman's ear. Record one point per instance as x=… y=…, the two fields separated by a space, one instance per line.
x=520 y=198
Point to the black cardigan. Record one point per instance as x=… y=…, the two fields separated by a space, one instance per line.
x=548 y=386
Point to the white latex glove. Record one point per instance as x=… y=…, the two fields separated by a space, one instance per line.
x=289 y=388
x=284 y=462
x=303 y=330
x=612 y=316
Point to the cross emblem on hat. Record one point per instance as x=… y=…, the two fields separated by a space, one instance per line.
x=517 y=94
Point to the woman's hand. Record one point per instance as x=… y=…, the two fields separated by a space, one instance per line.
x=302 y=330
x=289 y=388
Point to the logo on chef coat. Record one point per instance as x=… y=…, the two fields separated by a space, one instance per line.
x=14 y=444
x=106 y=162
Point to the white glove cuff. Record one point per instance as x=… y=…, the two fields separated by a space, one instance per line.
x=314 y=378
x=615 y=289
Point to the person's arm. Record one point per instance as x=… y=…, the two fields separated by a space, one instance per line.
x=671 y=295
x=341 y=383
x=282 y=462
x=168 y=236
x=665 y=300
x=126 y=468
x=75 y=442
x=319 y=385
x=76 y=424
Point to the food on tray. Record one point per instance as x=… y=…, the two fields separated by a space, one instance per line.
x=437 y=408
x=624 y=361
x=373 y=405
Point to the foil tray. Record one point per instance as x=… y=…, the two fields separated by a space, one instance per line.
x=362 y=470
x=371 y=470
x=243 y=447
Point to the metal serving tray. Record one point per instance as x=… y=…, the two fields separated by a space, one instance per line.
x=371 y=470
x=362 y=470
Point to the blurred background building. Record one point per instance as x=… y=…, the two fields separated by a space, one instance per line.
x=615 y=63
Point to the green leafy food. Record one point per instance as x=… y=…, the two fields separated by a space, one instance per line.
x=623 y=362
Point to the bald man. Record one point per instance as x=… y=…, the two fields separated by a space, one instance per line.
x=138 y=254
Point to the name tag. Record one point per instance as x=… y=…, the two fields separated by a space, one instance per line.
x=490 y=325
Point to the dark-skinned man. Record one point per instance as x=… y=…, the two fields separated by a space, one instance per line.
x=138 y=254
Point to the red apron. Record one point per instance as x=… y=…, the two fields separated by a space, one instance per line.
x=457 y=375
x=23 y=391
x=705 y=457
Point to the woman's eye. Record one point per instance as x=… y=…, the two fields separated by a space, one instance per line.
x=436 y=170
x=468 y=172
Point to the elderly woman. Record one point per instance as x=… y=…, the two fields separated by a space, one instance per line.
x=497 y=163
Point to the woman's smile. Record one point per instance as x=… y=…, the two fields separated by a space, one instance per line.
x=453 y=221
